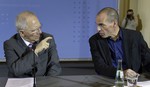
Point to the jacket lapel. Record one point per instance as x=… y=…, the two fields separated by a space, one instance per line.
x=21 y=46
x=104 y=50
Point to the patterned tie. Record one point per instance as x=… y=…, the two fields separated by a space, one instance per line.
x=30 y=45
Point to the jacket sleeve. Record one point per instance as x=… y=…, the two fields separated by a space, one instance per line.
x=102 y=67
x=54 y=67
x=18 y=64
x=145 y=53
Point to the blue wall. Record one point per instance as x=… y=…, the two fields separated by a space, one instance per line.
x=71 y=22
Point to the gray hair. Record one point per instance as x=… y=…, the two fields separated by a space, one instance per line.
x=21 y=20
x=112 y=14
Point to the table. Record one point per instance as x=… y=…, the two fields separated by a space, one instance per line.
x=71 y=81
x=3 y=81
x=75 y=81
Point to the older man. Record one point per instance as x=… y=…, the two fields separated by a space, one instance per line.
x=28 y=44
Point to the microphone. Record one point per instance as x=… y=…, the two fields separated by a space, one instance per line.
x=34 y=67
x=34 y=64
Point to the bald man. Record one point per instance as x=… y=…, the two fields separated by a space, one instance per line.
x=113 y=43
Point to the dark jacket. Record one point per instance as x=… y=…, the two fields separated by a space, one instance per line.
x=136 y=53
x=20 y=59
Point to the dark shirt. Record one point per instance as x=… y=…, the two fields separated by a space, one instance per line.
x=116 y=50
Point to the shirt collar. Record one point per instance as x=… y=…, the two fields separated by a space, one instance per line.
x=120 y=35
x=26 y=42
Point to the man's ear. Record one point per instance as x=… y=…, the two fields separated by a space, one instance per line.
x=21 y=33
x=115 y=24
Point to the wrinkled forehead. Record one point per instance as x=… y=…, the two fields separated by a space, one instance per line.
x=33 y=22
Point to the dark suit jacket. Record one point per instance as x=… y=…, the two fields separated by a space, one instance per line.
x=20 y=59
x=136 y=51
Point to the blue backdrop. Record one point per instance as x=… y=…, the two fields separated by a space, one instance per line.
x=71 y=22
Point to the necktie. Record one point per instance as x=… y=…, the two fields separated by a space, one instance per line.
x=30 y=45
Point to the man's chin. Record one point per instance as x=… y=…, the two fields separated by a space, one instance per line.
x=36 y=40
x=103 y=36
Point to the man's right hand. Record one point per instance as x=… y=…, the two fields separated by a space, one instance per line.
x=129 y=73
x=43 y=45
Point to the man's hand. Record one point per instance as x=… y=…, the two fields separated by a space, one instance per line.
x=43 y=45
x=129 y=73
